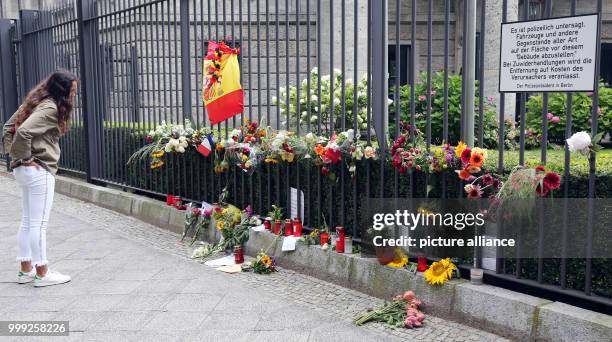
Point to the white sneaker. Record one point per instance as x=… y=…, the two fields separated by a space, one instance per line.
x=51 y=278
x=26 y=277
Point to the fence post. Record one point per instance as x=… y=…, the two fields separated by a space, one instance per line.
x=185 y=59
x=380 y=71
x=87 y=36
x=8 y=79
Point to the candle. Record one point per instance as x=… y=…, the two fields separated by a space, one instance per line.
x=288 y=227
x=169 y=199
x=323 y=238
x=422 y=263
x=267 y=224
x=348 y=245
x=176 y=201
x=340 y=241
x=297 y=227
x=238 y=254
x=476 y=275
x=277 y=227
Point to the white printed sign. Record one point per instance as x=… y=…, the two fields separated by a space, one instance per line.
x=549 y=55
x=294 y=203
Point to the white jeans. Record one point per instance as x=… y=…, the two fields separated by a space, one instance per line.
x=37 y=186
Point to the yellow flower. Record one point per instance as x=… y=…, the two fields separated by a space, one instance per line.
x=157 y=164
x=266 y=260
x=158 y=154
x=225 y=211
x=400 y=259
x=481 y=151
x=459 y=149
x=271 y=161
x=288 y=156
x=440 y=272
x=245 y=157
x=220 y=224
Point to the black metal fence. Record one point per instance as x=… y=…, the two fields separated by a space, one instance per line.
x=139 y=62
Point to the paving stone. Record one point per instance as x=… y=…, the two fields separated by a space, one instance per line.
x=135 y=282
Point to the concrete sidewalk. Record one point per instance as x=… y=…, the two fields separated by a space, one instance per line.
x=134 y=281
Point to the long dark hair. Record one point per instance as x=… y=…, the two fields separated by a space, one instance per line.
x=56 y=87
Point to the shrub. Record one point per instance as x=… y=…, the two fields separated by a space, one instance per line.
x=311 y=98
x=491 y=126
x=557 y=107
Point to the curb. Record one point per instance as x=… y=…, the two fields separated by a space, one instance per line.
x=500 y=311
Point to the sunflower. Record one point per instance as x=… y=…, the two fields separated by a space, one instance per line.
x=399 y=259
x=266 y=260
x=440 y=272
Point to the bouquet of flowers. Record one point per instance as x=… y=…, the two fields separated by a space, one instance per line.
x=283 y=146
x=401 y=311
x=263 y=264
x=234 y=225
x=196 y=219
x=472 y=160
x=168 y=138
x=526 y=183
x=243 y=146
x=406 y=157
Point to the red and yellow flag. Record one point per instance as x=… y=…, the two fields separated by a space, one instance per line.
x=221 y=89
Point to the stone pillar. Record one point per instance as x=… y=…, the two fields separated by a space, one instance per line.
x=492 y=46
x=349 y=33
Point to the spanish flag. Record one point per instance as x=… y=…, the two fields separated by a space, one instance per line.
x=221 y=90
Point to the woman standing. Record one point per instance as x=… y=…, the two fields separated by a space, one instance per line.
x=31 y=136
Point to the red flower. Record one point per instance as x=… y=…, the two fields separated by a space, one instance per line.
x=465 y=155
x=324 y=171
x=332 y=155
x=540 y=168
x=487 y=179
x=541 y=190
x=552 y=181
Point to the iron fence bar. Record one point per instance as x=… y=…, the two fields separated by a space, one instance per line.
x=320 y=114
x=332 y=78
x=85 y=8
x=396 y=98
x=287 y=76
x=268 y=100
x=481 y=78
x=185 y=57
x=592 y=158
x=545 y=14
x=500 y=262
x=566 y=178
x=277 y=177
x=356 y=128
x=308 y=197
x=298 y=106
x=429 y=52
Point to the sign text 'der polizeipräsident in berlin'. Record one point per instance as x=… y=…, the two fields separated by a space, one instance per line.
x=549 y=55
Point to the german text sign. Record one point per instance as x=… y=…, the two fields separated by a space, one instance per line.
x=549 y=55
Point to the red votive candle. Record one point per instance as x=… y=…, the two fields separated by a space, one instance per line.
x=277 y=227
x=288 y=227
x=422 y=263
x=297 y=227
x=267 y=224
x=176 y=201
x=340 y=241
x=238 y=254
x=169 y=199
x=323 y=238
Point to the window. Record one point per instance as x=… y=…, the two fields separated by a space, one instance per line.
x=404 y=64
x=605 y=69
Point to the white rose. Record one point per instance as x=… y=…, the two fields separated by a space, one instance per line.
x=180 y=149
x=310 y=138
x=580 y=142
